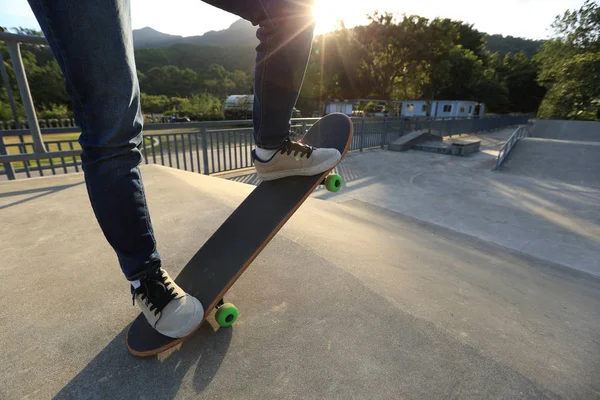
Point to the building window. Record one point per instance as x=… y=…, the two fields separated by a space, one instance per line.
x=410 y=107
x=447 y=108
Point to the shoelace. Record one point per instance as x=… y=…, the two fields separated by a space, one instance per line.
x=155 y=300
x=296 y=147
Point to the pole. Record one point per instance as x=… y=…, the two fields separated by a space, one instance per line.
x=34 y=128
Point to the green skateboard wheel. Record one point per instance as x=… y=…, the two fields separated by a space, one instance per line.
x=333 y=182
x=226 y=315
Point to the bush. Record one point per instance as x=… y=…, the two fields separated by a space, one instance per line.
x=56 y=111
x=6 y=112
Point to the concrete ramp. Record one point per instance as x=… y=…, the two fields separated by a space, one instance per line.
x=576 y=163
x=565 y=151
x=585 y=131
x=424 y=141
x=347 y=301
x=406 y=142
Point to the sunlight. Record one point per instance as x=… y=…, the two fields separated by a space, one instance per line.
x=327 y=13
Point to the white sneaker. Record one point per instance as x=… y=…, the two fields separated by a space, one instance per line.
x=294 y=158
x=168 y=309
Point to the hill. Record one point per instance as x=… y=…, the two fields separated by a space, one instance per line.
x=240 y=34
x=509 y=44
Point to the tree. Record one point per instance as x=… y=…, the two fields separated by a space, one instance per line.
x=170 y=81
x=570 y=65
x=519 y=76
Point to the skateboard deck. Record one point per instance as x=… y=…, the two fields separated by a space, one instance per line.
x=215 y=267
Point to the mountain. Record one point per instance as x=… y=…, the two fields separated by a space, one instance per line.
x=234 y=48
x=509 y=44
x=240 y=34
x=149 y=38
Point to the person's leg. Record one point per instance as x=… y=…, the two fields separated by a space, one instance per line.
x=93 y=45
x=285 y=32
x=92 y=42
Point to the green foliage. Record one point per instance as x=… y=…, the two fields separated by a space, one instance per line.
x=393 y=57
x=198 y=58
x=509 y=44
x=5 y=111
x=570 y=65
x=170 y=81
x=166 y=88
x=202 y=107
x=55 y=111
x=198 y=107
x=413 y=57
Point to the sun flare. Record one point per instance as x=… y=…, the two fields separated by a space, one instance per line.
x=326 y=14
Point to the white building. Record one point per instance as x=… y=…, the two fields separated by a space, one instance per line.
x=442 y=108
x=336 y=106
x=414 y=108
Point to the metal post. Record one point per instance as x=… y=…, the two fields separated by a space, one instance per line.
x=383 y=137
x=362 y=134
x=10 y=172
x=11 y=99
x=17 y=62
x=204 y=150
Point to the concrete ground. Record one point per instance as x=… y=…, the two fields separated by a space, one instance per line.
x=572 y=162
x=349 y=300
x=549 y=219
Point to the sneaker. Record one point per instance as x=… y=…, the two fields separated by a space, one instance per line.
x=168 y=309
x=294 y=158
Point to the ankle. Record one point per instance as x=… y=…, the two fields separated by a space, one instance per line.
x=264 y=154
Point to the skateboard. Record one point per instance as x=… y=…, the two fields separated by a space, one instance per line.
x=215 y=267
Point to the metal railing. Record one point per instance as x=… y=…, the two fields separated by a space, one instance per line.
x=521 y=132
x=43 y=123
x=218 y=146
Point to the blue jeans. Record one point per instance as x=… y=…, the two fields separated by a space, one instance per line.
x=92 y=42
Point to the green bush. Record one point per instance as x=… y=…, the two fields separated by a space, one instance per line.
x=56 y=111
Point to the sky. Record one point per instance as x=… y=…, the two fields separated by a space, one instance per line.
x=523 y=18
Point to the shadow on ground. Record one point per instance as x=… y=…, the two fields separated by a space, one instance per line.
x=36 y=194
x=113 y=373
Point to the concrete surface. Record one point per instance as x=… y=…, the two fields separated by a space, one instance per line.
x=406 y=142
x=583 y=131
x=348 y=301
x=568 y=161
x=551 y=220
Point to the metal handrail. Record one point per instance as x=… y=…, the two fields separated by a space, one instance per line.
x=16 y=37
x=521 y=132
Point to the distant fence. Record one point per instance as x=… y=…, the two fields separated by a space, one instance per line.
x=43 y=123
x=215 y=146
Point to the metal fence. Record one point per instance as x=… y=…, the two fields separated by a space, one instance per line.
x=43 y=123
x=217 y=146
